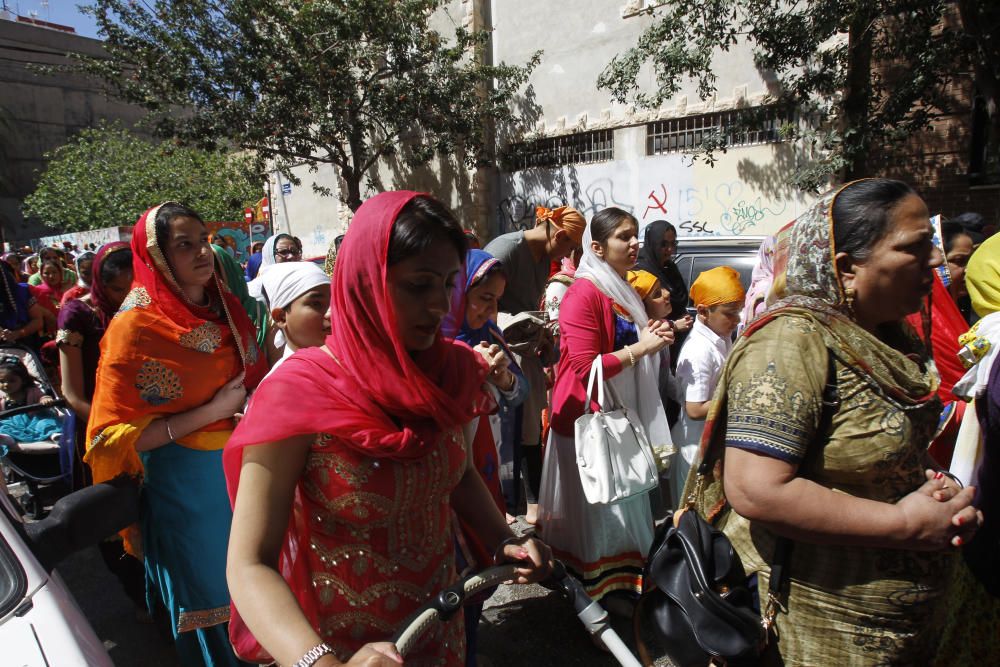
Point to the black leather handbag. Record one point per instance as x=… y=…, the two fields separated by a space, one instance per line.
x=695 y=591
x=696 y=602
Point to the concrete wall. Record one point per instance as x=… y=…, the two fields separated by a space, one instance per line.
x=744 y=193
x=46 y=110
x=579 y=38
x=734 y=197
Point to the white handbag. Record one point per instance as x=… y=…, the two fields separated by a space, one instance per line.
x=612 y=451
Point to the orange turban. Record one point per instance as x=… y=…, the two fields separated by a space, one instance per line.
x=719 y=285
x=643 y=282
x=565 y=218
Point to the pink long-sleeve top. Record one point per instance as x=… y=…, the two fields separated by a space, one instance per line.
x=586 y=329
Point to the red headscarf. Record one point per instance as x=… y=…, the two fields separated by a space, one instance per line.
x=376 y=397
x=98 y=294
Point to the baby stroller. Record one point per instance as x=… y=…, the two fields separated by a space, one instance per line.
x=43 y=466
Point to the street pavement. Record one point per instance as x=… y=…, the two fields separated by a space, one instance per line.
x=521 y=625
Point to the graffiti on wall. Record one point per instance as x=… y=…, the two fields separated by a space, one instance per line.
x=697 y=199
x=516 y=211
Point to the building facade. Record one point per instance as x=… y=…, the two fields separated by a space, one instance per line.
x=42 y=111
x=576 y=147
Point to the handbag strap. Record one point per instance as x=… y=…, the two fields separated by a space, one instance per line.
x=781 y=562
x=596 y=373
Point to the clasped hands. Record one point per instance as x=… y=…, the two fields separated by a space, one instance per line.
x=928 y=525
x=657 y=335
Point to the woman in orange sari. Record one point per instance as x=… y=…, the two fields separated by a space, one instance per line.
x=176 y=364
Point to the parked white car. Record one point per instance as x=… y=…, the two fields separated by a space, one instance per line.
x=40 y=622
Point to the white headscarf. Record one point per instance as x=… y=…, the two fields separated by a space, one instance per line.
x=266 y=260
x=645 y=380
x=281 y=284
x=81 y=280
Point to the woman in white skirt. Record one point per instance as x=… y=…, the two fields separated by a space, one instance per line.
x=601 y=315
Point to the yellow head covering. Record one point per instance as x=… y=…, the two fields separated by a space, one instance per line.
x=643 y=282
x=719 y=285
x=982 y=277
x=565 y=218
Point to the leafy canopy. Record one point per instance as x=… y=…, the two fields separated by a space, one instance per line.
x=107 y=176
x=345 y=82
x=862 y=75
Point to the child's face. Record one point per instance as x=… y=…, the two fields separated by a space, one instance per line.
x=307 y=319
x=10 y=382
x=657 y=303
x=722 y=318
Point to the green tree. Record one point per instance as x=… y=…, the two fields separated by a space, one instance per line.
x=107 y=176
x=863 y=75
x=344 y=82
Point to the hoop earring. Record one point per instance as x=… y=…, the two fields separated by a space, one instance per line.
x=849 y=299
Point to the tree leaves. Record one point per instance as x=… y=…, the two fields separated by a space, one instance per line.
x=344 y=82
x=916 y=51
x=107 y=177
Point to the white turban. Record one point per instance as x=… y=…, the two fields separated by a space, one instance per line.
x=283 y=283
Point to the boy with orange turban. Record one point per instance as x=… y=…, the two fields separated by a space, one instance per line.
x=718 y=295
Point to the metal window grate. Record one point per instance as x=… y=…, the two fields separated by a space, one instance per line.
x=741 y=127
x=580 y=148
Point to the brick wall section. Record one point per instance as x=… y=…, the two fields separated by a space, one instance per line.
x=936 y=160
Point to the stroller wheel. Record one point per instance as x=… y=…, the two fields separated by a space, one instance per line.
x=32 y=506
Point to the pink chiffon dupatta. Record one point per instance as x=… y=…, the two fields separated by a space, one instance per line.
x=365 y=390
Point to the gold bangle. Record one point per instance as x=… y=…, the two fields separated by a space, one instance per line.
x=631 y=357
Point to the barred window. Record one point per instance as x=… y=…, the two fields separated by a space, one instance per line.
x=740 y=127
x=579 y=148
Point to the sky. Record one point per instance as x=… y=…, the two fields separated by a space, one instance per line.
x=64 y=12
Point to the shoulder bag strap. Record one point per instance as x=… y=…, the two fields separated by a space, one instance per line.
x=596 y=374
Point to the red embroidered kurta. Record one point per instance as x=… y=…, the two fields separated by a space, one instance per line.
x=381 y=544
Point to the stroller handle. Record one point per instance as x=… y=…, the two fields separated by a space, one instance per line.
x=447 y=603
x=34 y=407
x=450 y=600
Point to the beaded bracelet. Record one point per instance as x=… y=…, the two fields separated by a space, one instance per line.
x=631 y=357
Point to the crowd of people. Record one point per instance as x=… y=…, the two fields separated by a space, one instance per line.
x=318 y=457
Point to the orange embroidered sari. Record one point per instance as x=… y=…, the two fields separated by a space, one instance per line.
x=162 y=355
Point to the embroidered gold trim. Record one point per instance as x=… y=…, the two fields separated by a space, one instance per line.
x=206 y=337
x=205 y=618
x=73 y=338
x=137 y=298
x=157 y=384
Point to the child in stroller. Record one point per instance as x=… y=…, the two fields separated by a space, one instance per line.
x=30 y=424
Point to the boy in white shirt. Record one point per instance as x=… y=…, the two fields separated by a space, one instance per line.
x=718 y=295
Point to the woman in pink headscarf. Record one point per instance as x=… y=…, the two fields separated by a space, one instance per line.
x=342 y=519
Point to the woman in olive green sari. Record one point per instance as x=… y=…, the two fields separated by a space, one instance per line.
x=874 y=531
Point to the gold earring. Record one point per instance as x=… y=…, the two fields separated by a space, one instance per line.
x=849 y=298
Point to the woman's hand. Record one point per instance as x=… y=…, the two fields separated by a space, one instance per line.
x=229 y=399
x=535 y=556
x=377 y=654
x=499 y=365
x=656 y=336
x=932 y=523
